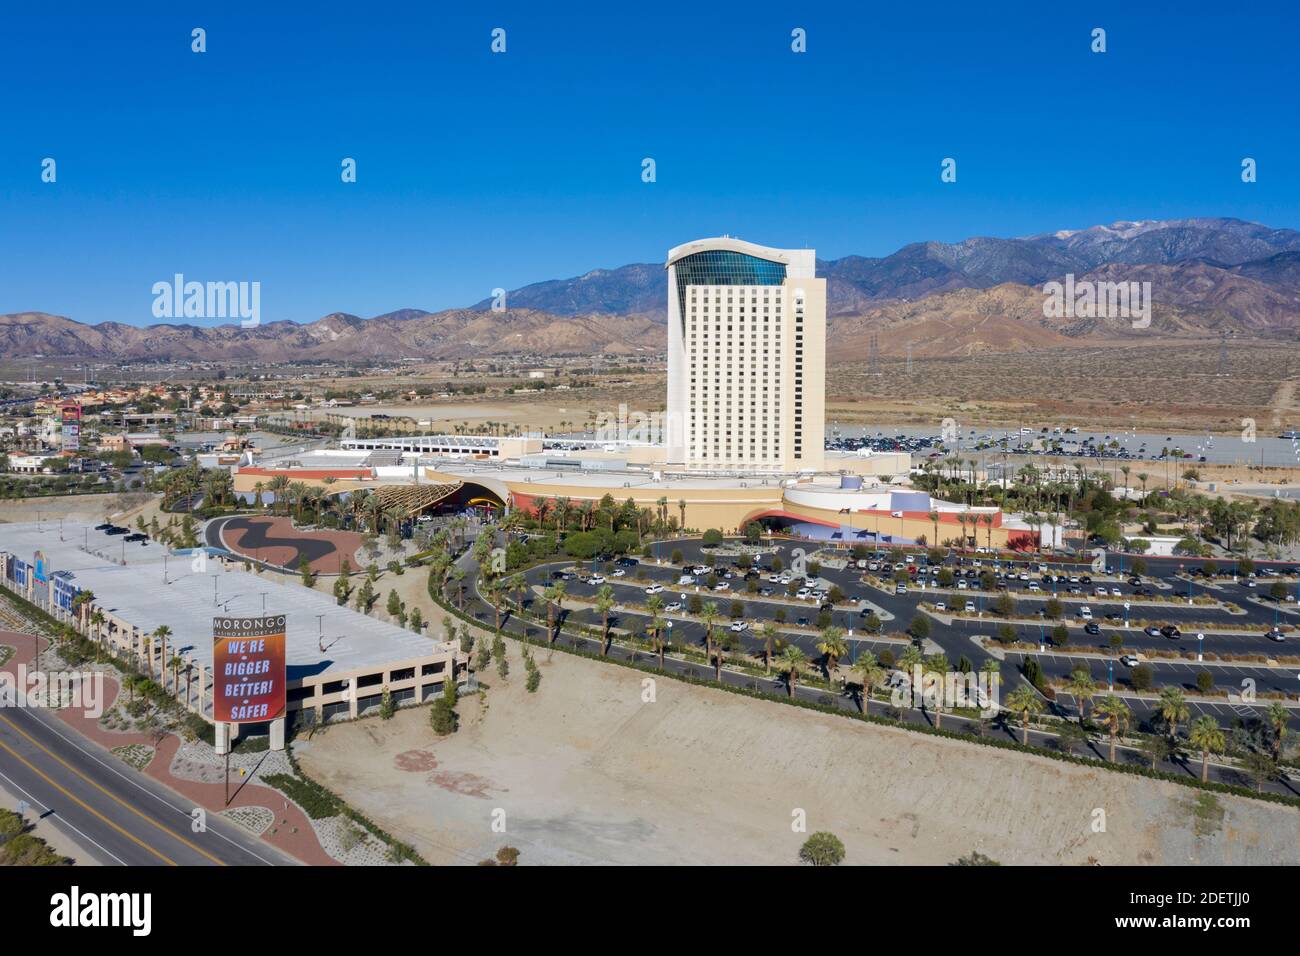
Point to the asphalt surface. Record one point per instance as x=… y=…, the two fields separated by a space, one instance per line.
x=954 y=639
x=118 y=816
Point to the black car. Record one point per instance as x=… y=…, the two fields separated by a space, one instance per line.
x=1169 y=630
x=138 y=536
x=116 y=530
x=103 y=527
x=1092 y=627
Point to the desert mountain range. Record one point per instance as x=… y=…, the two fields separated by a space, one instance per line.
x=1209 y=277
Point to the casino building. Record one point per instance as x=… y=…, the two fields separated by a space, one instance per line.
x=742 y=436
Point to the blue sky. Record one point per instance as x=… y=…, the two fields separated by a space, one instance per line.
x=478 y=170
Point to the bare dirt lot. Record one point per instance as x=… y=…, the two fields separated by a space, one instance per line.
x=1176 y=386
x=584 y=771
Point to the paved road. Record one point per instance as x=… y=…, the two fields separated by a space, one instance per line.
x=117 y=815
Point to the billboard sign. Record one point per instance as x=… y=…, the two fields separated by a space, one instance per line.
x=248 y=667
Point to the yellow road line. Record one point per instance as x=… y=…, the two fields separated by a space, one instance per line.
x=40 y=773
x=112 y=796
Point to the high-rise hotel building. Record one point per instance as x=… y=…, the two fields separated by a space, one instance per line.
x=746 y=358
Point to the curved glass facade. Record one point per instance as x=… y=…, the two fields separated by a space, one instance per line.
x=724 y=267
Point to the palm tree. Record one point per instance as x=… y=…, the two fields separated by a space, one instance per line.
x=1278 y=717
x=518 y=583
x=162 y=632
x=1024 y=701
x=660 y=639
x=458 y=575
x=870 y=673
x=937 y=664
x=987 y=520
x=97 y=621
x=710 y=617
x=767 y=633
x=493 y=587
x=792 y=661
x=276 y=486
x=1173 y=708
x=1206 y=736
x=833 y=645
x=1116 y=715
x=1082 y=686
x=604 y=604
x=934 y=520
x=554 y=603
x=175 y=664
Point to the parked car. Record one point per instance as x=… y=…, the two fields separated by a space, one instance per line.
x=1276 y=636
x=654 y=589
x=1170 y=630
x=1092 y=627
x=1129 y=660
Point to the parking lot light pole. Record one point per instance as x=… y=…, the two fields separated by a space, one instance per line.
x=1200 y=648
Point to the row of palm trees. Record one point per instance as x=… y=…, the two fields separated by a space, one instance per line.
x=149 y=652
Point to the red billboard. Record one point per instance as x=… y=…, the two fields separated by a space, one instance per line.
x=248 y=669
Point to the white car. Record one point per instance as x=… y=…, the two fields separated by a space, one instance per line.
x=774 y=578
x=618 y=573
x=802 y=594
x=686 y=579
x=900 y=589
x=940 y=606
x=597 y=579
x=1128 y=660
x=722 y=586
x=962 y=585
x=970 y=606
x=675 y=606
x=701 y=569
x=1116 y=592
x=738 y=626
x=785 y=579
x=1085 y=612
x=654 y=589
x=1033 y=586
